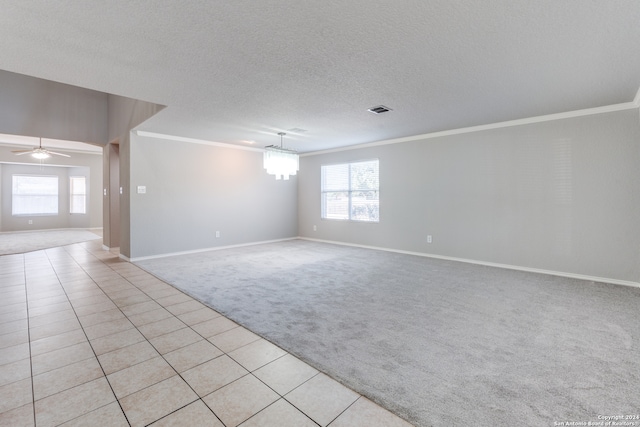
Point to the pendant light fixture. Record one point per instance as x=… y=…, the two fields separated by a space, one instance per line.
x=280 y=161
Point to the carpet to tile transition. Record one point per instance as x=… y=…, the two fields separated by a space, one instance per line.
x=437 y=342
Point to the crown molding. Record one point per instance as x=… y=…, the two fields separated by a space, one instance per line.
x=518 y=122
x=509 y=123
x=146 y=134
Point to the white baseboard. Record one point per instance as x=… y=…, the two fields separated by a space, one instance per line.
x=488 y=264
x=196 y=251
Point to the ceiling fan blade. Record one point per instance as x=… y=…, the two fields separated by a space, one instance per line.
x=20 y=153
x=57 y=154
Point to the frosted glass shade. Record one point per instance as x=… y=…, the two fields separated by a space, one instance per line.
x=280 y=162
x=40 y=154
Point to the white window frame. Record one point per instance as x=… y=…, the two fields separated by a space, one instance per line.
x=17 y=208
x=73 y=209
x=350 y=190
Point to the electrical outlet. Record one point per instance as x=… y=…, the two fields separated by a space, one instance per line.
x=217 y=234
x=30 y=221
x=429 y=239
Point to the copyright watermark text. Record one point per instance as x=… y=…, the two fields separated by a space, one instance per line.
x=627 y=420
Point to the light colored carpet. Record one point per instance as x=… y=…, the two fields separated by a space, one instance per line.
x=29 y=241
x=437 y=342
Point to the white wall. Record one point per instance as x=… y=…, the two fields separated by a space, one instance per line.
x=194 y=190
x=560 y=195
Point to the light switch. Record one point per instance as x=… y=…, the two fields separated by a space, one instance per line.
x=142 y=189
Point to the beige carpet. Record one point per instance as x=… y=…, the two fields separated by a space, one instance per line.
x=29 y=241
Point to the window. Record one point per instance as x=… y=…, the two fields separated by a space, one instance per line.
x=78 y=195
x=350 y=191
x=34 y=195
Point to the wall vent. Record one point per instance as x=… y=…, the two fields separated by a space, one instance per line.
x=379 y=109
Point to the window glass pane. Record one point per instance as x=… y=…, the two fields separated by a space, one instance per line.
x=34 y=205
x=364 y=176
x=78 y=199
x=38 y=185
x=350 y=191
x=34 y=195
x=335 y=177
x=78 y=204
x=365 y=206
x=335 y=205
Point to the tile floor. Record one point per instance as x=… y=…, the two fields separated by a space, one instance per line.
x=88 y=339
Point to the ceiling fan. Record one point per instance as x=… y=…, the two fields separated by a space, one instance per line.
x=39 y=152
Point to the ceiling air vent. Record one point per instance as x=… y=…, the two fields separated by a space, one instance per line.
x=379 y=109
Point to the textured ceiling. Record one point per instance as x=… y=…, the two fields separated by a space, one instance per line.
x=237 y=71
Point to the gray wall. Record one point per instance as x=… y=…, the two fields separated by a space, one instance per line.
x=123 y=115
x=111 y=236
x=194 y=190
x=63 y=219
x=127 y=113
x=561 y=195
x=89 y=165
x=14 y=223
x=41 y=108
x=125 y=164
